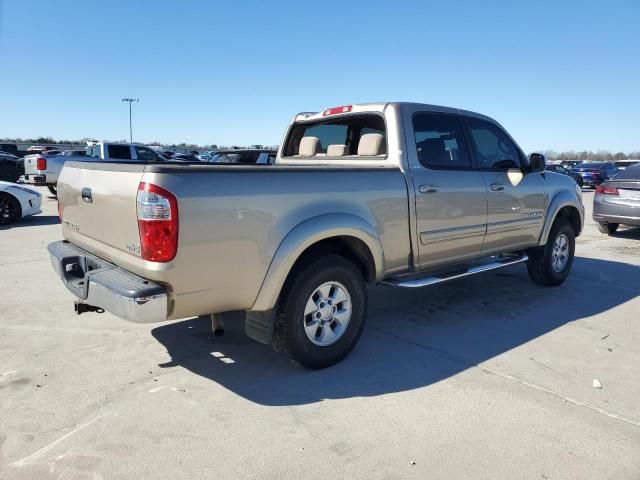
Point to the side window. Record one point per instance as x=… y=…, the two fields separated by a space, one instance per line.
x=440 y=141
x=146 y=155
x=119 y=152
x=493 y=149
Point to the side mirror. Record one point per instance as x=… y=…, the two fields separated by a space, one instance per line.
x=537 y=162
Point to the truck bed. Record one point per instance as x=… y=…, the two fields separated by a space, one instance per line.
x=232 y=220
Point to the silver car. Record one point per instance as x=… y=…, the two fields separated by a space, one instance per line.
x=617 y=201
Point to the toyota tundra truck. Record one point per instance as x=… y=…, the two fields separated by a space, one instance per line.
x=406 y=195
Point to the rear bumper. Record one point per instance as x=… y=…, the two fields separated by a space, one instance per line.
x=96 y=282
x=36 y=179
x=615 y=213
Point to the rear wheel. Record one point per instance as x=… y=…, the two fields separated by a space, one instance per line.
x=550 y=265
x=322 y=313
x=608 y=228
x=53 y=190
x=9 y=209
x=580 y=182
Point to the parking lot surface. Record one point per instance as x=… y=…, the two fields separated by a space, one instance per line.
x=486 y=377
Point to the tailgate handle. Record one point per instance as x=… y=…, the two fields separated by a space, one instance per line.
x=86 y=195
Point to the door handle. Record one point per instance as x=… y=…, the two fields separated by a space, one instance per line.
x=428 y=188
x=497 y=187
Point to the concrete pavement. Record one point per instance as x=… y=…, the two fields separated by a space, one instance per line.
x=488 y=377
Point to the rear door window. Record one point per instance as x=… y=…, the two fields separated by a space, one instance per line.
x=493 y=149
x=440 y=141
x=119 y=152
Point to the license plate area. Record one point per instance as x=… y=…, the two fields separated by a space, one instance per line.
x=76 y=271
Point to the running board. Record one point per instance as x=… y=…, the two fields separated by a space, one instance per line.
x=445 y=277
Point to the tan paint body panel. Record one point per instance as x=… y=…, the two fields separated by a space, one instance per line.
x=232 y=222
x=242 y=228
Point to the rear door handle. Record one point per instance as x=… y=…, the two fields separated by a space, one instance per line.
x=497 y=187
x=428 y=188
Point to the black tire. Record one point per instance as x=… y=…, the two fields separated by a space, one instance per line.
x=608 y=228
x=580 y=182
x=541 y=259
x=289 y=334
x=53 y=190
x=10 y=210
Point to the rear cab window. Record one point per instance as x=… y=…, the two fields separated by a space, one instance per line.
x=346 y=137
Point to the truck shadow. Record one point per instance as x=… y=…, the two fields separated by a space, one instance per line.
x=413 y=338
x=33 y=221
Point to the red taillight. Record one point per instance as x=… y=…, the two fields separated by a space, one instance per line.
x=157 y=211
x=41 y=163
x=607 y=190
x=335 y=110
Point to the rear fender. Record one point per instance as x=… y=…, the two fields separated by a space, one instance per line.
x=306 y=234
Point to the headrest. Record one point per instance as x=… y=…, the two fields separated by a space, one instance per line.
x=371 y=144
x=432 y=149
x=309 y=146
x=336 y=150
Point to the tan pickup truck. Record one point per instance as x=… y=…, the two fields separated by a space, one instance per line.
x=403 y=194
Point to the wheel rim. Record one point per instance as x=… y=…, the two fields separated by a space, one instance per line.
x=560 y=253
x=7 y=210
x=327 y=314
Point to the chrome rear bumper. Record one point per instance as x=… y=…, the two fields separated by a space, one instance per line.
x=96 y=282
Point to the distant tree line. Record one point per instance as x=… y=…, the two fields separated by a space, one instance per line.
x=599 y=156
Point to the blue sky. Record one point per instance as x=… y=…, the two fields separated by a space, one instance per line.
x=558 y=75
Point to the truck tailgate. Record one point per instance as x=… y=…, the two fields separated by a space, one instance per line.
x=98 y=210
x=30 y=166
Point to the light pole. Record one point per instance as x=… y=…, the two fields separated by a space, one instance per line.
x=130 y=100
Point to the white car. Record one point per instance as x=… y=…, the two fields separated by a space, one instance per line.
x=17 y=201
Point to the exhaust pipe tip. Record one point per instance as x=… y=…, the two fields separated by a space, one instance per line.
x=217 y=325
x=218 y=333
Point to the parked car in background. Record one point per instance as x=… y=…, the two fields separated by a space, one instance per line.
x=38 y=148
x=11 y=167
x=569 y=164
x=617 y=201
x=594 y=173
x=622 y=164
x=44 y=169
x=246 y=156
x=17 y=201
x=404 y=194
x=185 y=157
x=560 y=169
x=10 y=148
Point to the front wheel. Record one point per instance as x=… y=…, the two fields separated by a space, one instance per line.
x=53 y=190
x=608 y=228
x=322 y=312
x=550 y=265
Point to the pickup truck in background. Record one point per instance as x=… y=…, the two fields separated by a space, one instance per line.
x=407 y=195
x=44 y=168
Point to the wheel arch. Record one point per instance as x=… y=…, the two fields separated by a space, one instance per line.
x=5 y=193
x=564 y=206
x=345 y=234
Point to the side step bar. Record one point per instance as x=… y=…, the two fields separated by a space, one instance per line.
x=445 y=277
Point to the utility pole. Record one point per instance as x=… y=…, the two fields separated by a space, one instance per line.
x=130 y=100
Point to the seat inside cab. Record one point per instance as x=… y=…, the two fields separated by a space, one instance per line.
x=348 y=137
